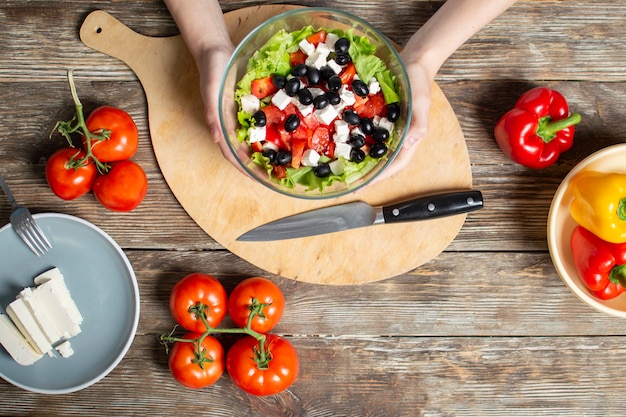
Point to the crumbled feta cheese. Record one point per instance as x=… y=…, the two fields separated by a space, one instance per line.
x=250 y=103
x=280 y=99
x=256 y=134
x=310 y=158
x=374 y=86
x=343 y=149
x=334 y=65
x=326 y=115
x=306 y=47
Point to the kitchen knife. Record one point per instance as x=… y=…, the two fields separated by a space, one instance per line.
x=360 y=214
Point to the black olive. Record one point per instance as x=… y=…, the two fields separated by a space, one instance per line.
x=367 y=126
x=313 y=76
x=322 y=170
x=333 y=98
x=259 y=118
x=342 y=59
x=342 y=45
x=270 y=154
x=292 y=87
x=334 y=83
x=357 y=155
x=380 y=134
x=321 y=101
x=283 y=158
x=292 y=123
x=326 y=72
x=393 y=112
x=378 y=150
x=279 y=81
x=299 y=70
x=351 y=117
x=360 y=88
x=305 y=97
x=357 y=141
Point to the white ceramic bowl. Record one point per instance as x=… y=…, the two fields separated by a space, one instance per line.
x=561 y=224
x=294 y=20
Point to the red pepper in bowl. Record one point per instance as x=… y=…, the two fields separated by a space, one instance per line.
x=538 y=129
x=601 y=265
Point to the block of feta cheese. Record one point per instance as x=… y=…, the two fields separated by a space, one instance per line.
x=16 y=344
x=44 y=317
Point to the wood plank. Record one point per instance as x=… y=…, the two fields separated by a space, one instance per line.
x=346 y=376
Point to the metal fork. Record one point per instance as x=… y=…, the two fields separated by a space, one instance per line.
x=24 y=224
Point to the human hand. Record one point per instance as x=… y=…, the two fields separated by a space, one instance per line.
x=421 y=84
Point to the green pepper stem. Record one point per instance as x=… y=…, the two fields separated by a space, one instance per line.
x=618 y=275
x=621 y=209
x=548 y=128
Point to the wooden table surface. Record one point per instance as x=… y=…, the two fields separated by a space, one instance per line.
x=487 y=328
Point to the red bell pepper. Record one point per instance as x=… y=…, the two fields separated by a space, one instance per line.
x=538 y=129
x=600 y=264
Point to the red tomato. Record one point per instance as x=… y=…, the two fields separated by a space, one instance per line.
x=297 y=57
x=347 y=75
x=195 y=368
x=256 y=292
x=277 y=375
x=67 y=178
x=373 y=106
x=123 y=188
x=123 y=140
x=297 y=150
x=279 y=171
x=317 y=37
x=263 y=87
x=320 y=140
x=198 y=289
x=273 y=115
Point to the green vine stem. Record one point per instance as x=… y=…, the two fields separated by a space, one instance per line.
x=199 y=310
x=78 y=124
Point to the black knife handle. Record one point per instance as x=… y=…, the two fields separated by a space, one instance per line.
x=432 y=206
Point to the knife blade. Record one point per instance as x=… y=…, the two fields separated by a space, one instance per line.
x=360 y=214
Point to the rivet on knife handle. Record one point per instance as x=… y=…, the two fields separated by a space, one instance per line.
x=436 y=205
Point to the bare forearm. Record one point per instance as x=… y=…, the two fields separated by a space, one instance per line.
x=453 y=24
x=201 y=24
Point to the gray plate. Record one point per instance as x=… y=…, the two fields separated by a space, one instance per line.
x=103 y=285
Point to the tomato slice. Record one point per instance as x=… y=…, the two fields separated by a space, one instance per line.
x=373 y=106
x=279 y=171
x=320 y=140
x=297 y=149
x=317 y=37
x=347 y=75
x=256 y=147
x=273 y=114
x=263 y=87
x=310 y=121
x=297 y=57
x=271 y=135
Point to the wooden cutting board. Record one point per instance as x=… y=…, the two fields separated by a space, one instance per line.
x=225 y=203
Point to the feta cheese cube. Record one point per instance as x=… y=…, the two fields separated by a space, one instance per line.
x=326 y=115
x=335 y=66
x=323 y=50
x=306 y=47
x=331 y=39
x=256 y=134
x=343 y=149
x=270 y=145
x=280 y=99
x=305 y=110
x=316 y=59
x=357 y=131
x=342 y=131
x=347 y=96
x=337 y=166
x=310 y=158
x=250 y=103
x=385 y=123
x=316 y=91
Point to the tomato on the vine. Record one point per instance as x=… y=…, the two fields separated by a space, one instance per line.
x=198 y=289
x=123 y=138
x=256 y=294
x=69 y=174
x=197 y=366
x=123 y=188
x=278 y=372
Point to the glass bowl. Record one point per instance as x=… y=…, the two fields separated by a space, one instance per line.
x=295 y=20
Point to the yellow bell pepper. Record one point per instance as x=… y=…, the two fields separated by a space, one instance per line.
x=599 y=204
